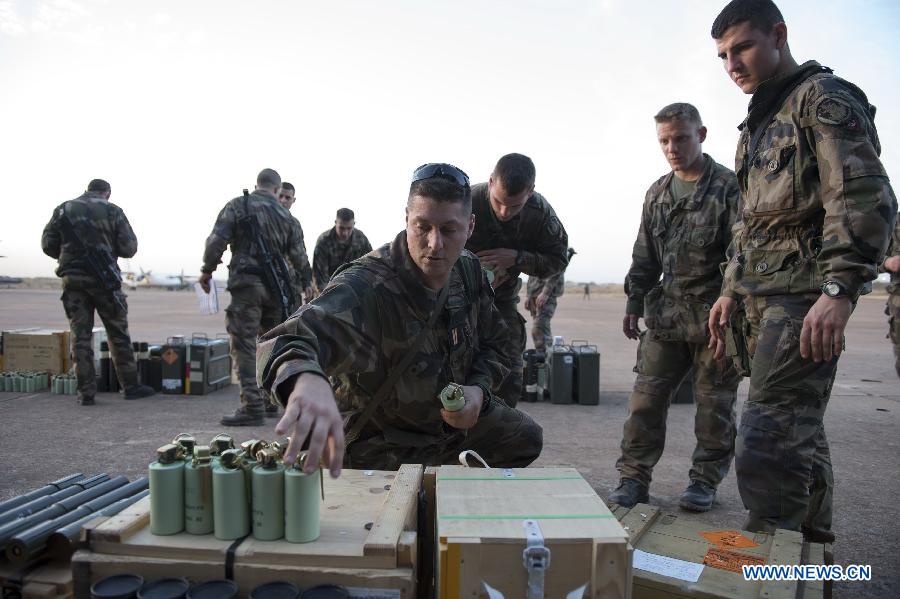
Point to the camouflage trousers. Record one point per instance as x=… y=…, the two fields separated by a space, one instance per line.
x=252 y=312
x=892 y=309
x=80 y=302
x=661 y=366
x=503 y=436
x=540 y=325
x=782 y=459
x=511 y=387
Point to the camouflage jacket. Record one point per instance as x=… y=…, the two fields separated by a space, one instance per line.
x=281 y=230
x=816 y=201
x=362 y=325
x=101 y=222
x=330 y=254
x=894 y=250
x=535 y=232
x=685 y=242
x=554 y=286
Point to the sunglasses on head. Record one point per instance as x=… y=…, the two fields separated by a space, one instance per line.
x=440 y=170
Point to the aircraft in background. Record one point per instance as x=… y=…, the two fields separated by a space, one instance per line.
x=148 y=278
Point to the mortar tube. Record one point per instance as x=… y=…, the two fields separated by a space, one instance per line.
x=27 y=543
x=33 y=507
x=47 y=489
x=58 y=509
x=62 y=543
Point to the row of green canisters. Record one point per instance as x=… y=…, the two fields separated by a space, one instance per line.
x=229 y=492
x=25 y=381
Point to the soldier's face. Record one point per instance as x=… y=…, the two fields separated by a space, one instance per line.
x=680 y=142
x=436 y=233
x=344 y=229
x=751 y=56
x=286 y=197
x=504 y=205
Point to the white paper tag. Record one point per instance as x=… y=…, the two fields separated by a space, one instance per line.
x=667 y=566
x=363 y=593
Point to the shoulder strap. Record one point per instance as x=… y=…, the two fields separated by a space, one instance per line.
x=391 y=380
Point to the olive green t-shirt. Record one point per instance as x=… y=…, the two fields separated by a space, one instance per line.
x=681 y=189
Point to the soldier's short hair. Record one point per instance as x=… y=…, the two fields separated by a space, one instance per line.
x=442 y=190
x=681 y=111
x=516 y=172
x=761 y=14
x=99 y=186
x=345 y=214
x=268 y=178
x=288 y=186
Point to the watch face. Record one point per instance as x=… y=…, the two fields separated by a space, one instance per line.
x=832 y=289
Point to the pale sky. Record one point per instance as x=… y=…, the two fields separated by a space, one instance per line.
x=179 y=103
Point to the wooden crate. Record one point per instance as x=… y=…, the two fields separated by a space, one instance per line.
x=660 y=534
x=368 y=542
x=49 y=580
x=481 y=534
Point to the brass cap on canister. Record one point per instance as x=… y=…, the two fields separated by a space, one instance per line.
x=187 y=442
x=169 y=453
x=231 y=459
x=201 y=455
x=221 y=442
x=268 y=458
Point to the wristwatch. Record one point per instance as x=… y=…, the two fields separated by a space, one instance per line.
x=834 y=289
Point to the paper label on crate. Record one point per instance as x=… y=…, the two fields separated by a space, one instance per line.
x=667 y=566
x=363 y=593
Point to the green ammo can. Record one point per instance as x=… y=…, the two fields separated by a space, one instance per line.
x=210 y=365
x=587 y=373
x=560 y=373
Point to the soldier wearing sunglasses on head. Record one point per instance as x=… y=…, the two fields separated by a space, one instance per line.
x=393 y=330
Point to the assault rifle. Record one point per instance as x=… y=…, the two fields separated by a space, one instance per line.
x=272 y=266
x=97 y=259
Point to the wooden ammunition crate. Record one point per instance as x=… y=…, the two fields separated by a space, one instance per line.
x=48 y=580
x=480 y=536
x=368 y=543
x=667 y=537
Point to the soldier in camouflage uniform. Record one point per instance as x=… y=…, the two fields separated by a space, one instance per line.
x=254 y=308
x=379 y=309
x=540 y=301
x=516 y=231
x=685 y=230
x=97 y=223
x=816 y=217
x=337 y=246
x=301 y=282
x=892 y=309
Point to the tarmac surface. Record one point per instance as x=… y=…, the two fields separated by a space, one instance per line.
x=44 y=437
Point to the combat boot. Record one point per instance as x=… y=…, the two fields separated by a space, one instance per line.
x=242 y=417
x=698 y=497
x=85 y=400
x=139 y=391
x=630 y=492
x=811 y=535
x=271 y=410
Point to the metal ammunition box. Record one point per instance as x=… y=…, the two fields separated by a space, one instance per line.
x=210 y=365
x=173 y=355
x=587 y=373
x=560 y=373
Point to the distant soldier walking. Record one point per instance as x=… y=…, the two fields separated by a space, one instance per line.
x=540 y=301
x=587 y=292
x=673 y=280
x=337 y=246
x=266 y=242
x=87 y=235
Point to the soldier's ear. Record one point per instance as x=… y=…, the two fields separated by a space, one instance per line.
x=701 y=132
x=471 y=225
x=779 y=30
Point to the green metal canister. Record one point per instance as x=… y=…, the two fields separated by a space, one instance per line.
x=453 y=397
x=198 y=493
x=267 y=481
x=231 y=511
x=167 y=491
x=301 y=503
x=71 y=385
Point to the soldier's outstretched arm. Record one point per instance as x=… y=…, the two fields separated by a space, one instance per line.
x=490 y=364
x=51 y=240
x=551 y=255
x=221 y=235
x=311 y=412
x=126 y=240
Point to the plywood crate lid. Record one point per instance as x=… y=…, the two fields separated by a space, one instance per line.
x=492 y=504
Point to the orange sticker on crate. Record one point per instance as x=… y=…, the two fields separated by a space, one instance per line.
x=726 y=559
x=728 y=538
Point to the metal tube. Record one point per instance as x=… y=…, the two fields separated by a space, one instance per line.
x=32 y=507
x=58 y=509
x=62 y=543
x=58 y=485
x=28 y=542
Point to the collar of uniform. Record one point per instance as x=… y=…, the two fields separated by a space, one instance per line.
x=90 y=195
x=772 y=90
x=699 y=188
x=264 y=193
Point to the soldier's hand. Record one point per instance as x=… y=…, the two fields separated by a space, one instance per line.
x=498 y=258
x=468 y=416
x=312 y=412
x=630 y=326
x=719 y=317
x=822 y=336
x=541 y=301
x=892 y=264
x=204 y=280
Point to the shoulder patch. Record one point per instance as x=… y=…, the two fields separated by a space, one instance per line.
x=834 y=112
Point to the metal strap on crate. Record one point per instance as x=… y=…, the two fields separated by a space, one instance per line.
x=536 y=559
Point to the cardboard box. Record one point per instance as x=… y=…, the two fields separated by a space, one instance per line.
x=675 y=549
x=500 y=531
x=44 y=350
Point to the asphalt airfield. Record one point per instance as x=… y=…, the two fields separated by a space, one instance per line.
x=44 y=437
